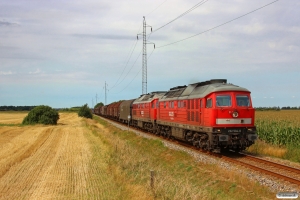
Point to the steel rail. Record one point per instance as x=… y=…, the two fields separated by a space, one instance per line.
x=274 y=174
x=270 y=163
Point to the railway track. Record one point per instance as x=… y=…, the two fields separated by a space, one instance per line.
x=273 y=169
x=277 y=170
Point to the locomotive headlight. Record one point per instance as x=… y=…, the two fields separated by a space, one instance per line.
x=217 y=130
x=250 y=129
x=235 y=114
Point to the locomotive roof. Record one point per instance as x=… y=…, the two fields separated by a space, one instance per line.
x=145 y=98
x=201 y=89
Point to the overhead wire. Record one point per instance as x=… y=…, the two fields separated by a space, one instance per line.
x=186 y=12
x=135 y=75
x=183 y=14
x=129 y=71
x=156 y=8
x=218 y=25
x=116 y=84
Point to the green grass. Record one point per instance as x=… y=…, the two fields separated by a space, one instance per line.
x=292 y=154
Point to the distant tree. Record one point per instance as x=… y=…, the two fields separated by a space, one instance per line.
x=41 y=115
x=85 y=111
x=98 y=104
x=16 y=108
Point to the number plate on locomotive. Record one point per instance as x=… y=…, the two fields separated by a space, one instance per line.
x=234 y=131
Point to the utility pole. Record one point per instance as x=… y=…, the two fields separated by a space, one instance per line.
x=96 y=98
x=105 y=85
x=92 y=103
x=144 y=59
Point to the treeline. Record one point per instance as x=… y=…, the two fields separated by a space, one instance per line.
x=72 y=109
x=276 y=108
x=16 y=108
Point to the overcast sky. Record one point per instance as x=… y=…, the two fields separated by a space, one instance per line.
x=60 y=53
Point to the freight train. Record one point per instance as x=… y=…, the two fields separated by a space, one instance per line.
x=213 y=115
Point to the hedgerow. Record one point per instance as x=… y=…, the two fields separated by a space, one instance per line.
x=85 y=111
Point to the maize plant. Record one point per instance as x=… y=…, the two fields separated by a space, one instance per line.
x=279 y=128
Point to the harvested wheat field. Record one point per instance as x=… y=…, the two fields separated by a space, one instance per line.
x=12 y=117
x=53 y=162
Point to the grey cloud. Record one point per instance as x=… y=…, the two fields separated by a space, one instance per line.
x=6 y=23
x=105 y=36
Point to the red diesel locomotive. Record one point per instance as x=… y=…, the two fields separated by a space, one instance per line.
x=211 y=115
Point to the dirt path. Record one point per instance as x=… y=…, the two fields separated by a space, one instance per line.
x=53 y=162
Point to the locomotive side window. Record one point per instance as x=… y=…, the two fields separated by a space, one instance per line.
x=223 y=100
x=208 y=103
x=242 y=100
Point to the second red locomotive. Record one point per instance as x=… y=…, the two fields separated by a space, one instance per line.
x=211 y=115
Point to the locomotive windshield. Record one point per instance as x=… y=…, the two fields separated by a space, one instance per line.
x=242 y=100
x=223 y=100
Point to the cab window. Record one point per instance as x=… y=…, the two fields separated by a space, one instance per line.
x=223 y=100
x=208 y=103
x=242 y=100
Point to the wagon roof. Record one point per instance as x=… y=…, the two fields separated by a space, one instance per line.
x=146 y=98
x=127 y=102
x=201 y=89
x=116 y=104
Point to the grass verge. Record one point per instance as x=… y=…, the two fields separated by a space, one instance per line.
x=176 y=174
x=291 y=153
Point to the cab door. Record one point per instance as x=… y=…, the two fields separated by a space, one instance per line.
x=153 y=109
x=200 y=111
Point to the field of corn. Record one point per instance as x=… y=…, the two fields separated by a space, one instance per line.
x=279 y=130
x=279 y=127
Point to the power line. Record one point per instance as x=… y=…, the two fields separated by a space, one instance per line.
x=132 y=51
x=129 y=71
x=130 y=81
x=185 y=13
x=218 y=25
x=156 y=8
x=134 y=76
x=125 y=66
